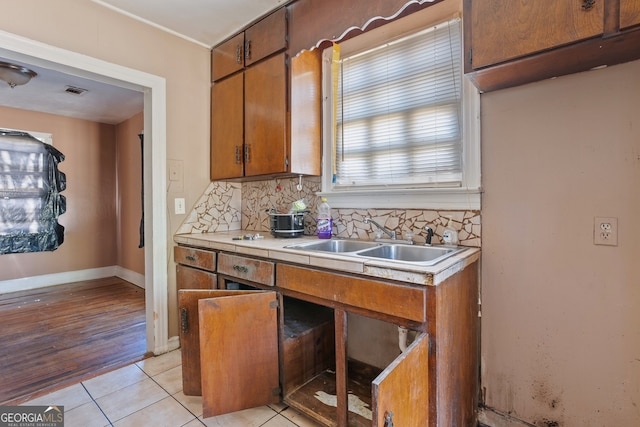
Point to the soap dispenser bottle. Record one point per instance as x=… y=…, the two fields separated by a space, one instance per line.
x=450 y=235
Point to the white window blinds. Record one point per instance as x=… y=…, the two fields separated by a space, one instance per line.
x=399 y=112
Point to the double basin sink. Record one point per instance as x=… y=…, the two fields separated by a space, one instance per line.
x=405 y=253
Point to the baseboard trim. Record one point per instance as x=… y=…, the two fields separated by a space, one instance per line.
x=42 y=281
x=130 y=276
x=492 y=418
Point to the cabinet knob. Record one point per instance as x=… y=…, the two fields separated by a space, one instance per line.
x=190 y=258
x=588 y=4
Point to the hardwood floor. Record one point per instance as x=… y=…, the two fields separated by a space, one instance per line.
x=56 y=336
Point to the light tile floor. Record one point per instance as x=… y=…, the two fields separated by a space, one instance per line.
x=149 y=393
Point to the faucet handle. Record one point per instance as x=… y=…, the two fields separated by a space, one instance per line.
x=429 y=231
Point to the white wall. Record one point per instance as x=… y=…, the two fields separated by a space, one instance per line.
x=561 y=316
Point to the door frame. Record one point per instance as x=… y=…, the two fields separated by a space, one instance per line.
x=154 y=89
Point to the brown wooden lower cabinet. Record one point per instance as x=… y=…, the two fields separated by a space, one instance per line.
x=259 y=344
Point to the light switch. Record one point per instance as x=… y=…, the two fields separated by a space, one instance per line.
x=179 y=206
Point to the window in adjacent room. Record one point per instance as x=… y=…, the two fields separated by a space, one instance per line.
x=400 y=117
x=30 y=199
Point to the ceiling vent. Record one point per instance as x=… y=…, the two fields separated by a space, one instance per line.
x=75 y=90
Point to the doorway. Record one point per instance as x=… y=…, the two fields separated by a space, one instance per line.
x=154 y=155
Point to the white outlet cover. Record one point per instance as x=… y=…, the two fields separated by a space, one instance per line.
x=605 y=231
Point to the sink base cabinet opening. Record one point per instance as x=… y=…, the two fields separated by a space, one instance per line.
x=255 y=346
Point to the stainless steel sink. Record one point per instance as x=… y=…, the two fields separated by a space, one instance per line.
x=335 y=245
x=423 y=255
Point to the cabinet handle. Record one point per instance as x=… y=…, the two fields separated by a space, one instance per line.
x=241 y=268
x=247 y=153
x=238 y=156
x=190 y=258
x=184 y=320
x=588 y=4
x=247 y=49
x=239 y=53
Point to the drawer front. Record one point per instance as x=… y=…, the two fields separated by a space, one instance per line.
x=192 y=278
x=250 y=269
x=195 y=257
x=397 y=300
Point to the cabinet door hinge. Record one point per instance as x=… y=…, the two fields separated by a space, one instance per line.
x=286 y=162
x=184 y=320
x=470 y=55
x=274 y=304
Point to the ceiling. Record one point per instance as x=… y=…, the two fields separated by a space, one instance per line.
x=205 y=22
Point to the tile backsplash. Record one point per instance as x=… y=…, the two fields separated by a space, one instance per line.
x=233 y=206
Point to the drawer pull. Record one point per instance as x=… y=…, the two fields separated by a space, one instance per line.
x=241 y=268
x=184 y=320
x=191 y=257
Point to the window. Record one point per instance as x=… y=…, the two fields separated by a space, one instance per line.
x=399 y=122
x=30 y=199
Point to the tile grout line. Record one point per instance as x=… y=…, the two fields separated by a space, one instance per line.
x=96 y=403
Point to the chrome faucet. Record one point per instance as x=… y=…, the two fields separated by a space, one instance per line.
x=385 y=230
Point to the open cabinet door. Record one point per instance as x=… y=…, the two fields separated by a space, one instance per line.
x=400 y=394
x=239 y=351
x=190 y=335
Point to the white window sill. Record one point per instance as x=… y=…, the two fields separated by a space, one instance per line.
x=438 y=198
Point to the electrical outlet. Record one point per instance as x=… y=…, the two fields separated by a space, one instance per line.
x=605 y=231
x=179 y=206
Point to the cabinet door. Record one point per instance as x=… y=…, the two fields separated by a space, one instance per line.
x=239 y=352
x=190 y=335
x=265 y=37
x=192 y=278
x=227 y=128
x=266 y=117
x=227 y=58
x=507 y=29
x=400 y=394
x=629 y=13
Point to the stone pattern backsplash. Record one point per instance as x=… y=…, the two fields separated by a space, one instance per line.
x=219 y=209
x=233 y=206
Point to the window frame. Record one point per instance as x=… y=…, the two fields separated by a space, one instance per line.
x=466 y=195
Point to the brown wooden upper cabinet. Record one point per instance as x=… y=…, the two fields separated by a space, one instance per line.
x=267 y=36
x=508 y=43
x=254 y=86
x=629 y=13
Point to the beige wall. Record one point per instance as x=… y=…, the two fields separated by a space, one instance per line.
x=90 y=29
x=560 y=317
x=90 y=220
x=129 y=189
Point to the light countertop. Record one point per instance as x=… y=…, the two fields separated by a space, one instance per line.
x=275 y=248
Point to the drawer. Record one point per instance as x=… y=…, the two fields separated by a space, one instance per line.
x=195 y=257
x=192 y=278
x=250 y=269
x=406 y=302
